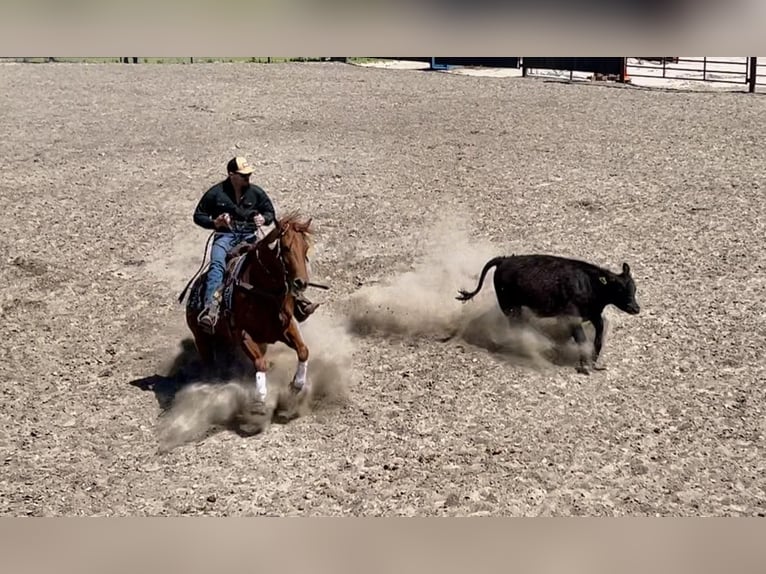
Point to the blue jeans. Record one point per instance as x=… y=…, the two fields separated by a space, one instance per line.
x=222 y=243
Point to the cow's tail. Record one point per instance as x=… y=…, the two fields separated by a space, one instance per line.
x=465 y=295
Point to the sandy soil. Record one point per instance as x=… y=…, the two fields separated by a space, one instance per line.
x=424 y=405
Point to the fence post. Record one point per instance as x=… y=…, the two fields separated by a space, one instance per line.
x=752 y=74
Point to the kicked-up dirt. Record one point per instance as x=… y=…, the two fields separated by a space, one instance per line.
x=421 y=405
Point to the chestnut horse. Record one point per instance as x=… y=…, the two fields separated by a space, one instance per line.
x=259 y=290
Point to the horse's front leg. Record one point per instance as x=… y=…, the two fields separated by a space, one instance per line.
x=257 y=356
x=294 y=338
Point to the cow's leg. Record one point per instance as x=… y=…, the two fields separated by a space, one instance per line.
x=513 y=314
x=294 y=338
x=598 y=325
x=579 y=336
x=257 y=356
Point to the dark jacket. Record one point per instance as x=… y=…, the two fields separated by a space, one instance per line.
x=221 y=199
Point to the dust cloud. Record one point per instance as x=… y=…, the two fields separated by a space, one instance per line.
x=199 y=402
x=205 y=406
x=330 y=371
x=421 y=303
x=200 y=408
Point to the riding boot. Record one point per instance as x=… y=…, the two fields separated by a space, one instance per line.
x=208 y=318
x=304 y=308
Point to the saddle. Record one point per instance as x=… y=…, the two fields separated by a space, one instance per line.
x=234 y=258
x=235 y=252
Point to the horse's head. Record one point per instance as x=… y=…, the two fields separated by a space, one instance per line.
x=294 y=241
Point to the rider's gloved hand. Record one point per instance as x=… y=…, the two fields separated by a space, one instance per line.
x=222 y=222
x=258 y=219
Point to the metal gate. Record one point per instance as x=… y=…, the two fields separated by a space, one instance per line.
x=441 y=63
x=756 y=74
x=745 y=70
x=605 y=66
x=737 y=71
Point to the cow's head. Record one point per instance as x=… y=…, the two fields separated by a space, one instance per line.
x=624 y=291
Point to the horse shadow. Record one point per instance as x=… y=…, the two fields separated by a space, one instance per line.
x=231 y=366
x=187 y=368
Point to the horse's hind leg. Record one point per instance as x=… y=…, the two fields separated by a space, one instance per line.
x=202 y=341
x=253 y=419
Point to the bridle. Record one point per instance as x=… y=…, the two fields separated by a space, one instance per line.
x=284 y=279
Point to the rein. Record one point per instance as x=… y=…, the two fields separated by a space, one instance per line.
x=247 y=287
x=202 y=265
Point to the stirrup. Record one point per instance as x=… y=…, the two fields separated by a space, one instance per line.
x=208 y=318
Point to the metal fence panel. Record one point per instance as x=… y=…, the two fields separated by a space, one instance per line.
x=703 y=69
x=489 y=62
x=606 y=66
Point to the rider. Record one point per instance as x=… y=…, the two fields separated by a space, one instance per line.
x=235 y=208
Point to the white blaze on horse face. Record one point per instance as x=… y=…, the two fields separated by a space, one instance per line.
x=260 y=384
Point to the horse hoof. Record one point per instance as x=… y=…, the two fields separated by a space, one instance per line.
x=254 y=419
x=297 y=390
x=583 y=370
x=248 y=427
x=257 y=409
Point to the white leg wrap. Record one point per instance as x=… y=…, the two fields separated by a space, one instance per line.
x=300 y=375
x=260 y=384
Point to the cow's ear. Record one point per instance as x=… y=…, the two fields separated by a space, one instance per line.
x=625 y=269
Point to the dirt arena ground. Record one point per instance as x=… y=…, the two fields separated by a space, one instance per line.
x=423 y=405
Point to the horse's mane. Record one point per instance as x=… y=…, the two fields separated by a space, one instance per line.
x=300 y=223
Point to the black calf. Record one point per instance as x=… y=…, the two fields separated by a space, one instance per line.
x=555 y=286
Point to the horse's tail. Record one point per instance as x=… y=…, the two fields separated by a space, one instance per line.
x=202 y=265
x=465 y=295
